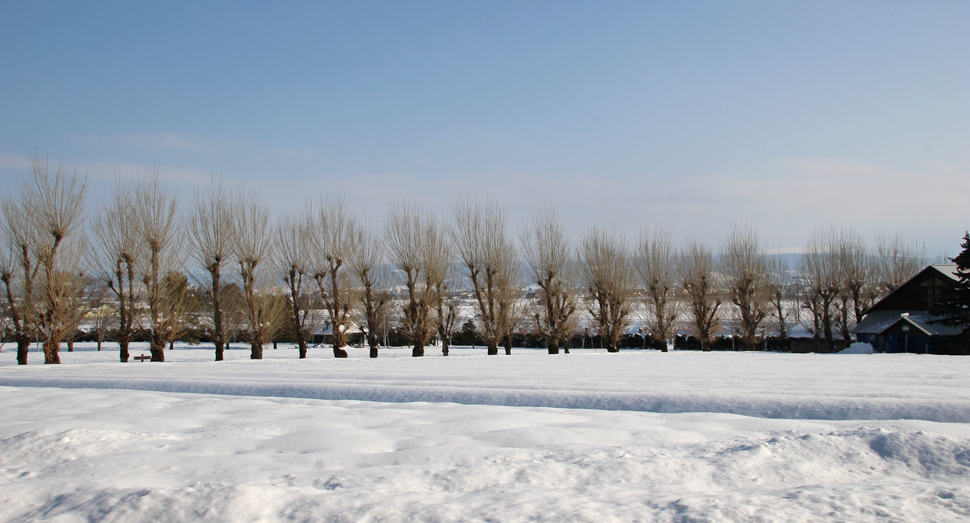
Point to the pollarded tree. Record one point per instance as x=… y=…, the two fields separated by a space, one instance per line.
x=160 y=232
x=779 y=281
x=608 y=283
x=406 y=235
x=745 y=270
x=856 y=281
x=104 y=317
x=211 y=243
x=897 y=261
x=699 y=280
x=332 y=242
x=549 y=265
x=439 y=276
x=491 y=268
x=118 y=251
x=820 y=270
x=54 y=203
x=447 y=311
x=655 y=262
x=366 y=264
x=18 y=271
x=253 y=249
x=176 y=306
x=296 y=269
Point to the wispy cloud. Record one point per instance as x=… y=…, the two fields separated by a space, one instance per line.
x=161 y=140
x=108 y=170
x=289 y=153
x=13 y=161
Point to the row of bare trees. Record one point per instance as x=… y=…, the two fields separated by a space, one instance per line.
x=323 y=267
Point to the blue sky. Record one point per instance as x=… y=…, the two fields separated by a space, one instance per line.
x=783 y=115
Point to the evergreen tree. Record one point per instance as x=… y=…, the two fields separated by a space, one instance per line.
x=954 y=305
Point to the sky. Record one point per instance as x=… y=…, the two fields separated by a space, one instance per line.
x=785 y=116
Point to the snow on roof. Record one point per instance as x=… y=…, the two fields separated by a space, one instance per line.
x=948 y=269
x=878 y=321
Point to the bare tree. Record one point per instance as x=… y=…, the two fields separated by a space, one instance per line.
x=856 y=280
x=253 y=249
x=656 y=266
x=608 y=282
x=439 y=277
x=118 y=250
x=332 y=247
x=293 y=235
x=779 y=284
x=54 y=203
x=177 y=304
x=491 y=267
x=234 y=312
x=745 y=269
x=897 y=260
x=700 y=282
x=366 y=264
x=18 y=271
x=406 y=232
x=103 y=316
x=820 y=269
x=448 y=310
x=210 y=234
x=160 y=232
x=549 y=265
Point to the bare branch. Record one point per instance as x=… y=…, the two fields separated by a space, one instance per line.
x=608 y=282
x=549 y=265
x=655 y=263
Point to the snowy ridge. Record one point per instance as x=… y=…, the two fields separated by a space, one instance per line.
x=754 y=405
x=779 y=386
x=745 y=405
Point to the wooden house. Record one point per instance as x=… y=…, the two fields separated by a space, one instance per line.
x=901 y=321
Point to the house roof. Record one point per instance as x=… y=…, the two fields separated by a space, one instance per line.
x=877 y=322
x=948 y=270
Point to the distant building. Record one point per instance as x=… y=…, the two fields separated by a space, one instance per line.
x=901 y=322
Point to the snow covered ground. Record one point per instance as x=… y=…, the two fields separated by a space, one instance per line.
x=590 y=436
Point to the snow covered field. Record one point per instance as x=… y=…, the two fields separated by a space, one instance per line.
x=590 y=436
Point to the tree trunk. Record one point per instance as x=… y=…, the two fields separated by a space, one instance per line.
x=99 y=344
x=302 y=346
x=256 y=351
x=52 y=352
x=23 y=345
x=508 y=346
x=171 y=345
x=339 y=353
x=275 y=345
x=217 y=331
x=373 y=352
x=417 y=351
x=158 y=351
x=70 y=345
x=123 y=350
x=493 y=349
x=553 y=347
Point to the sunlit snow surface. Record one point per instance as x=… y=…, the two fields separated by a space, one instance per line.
x=589 y=436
